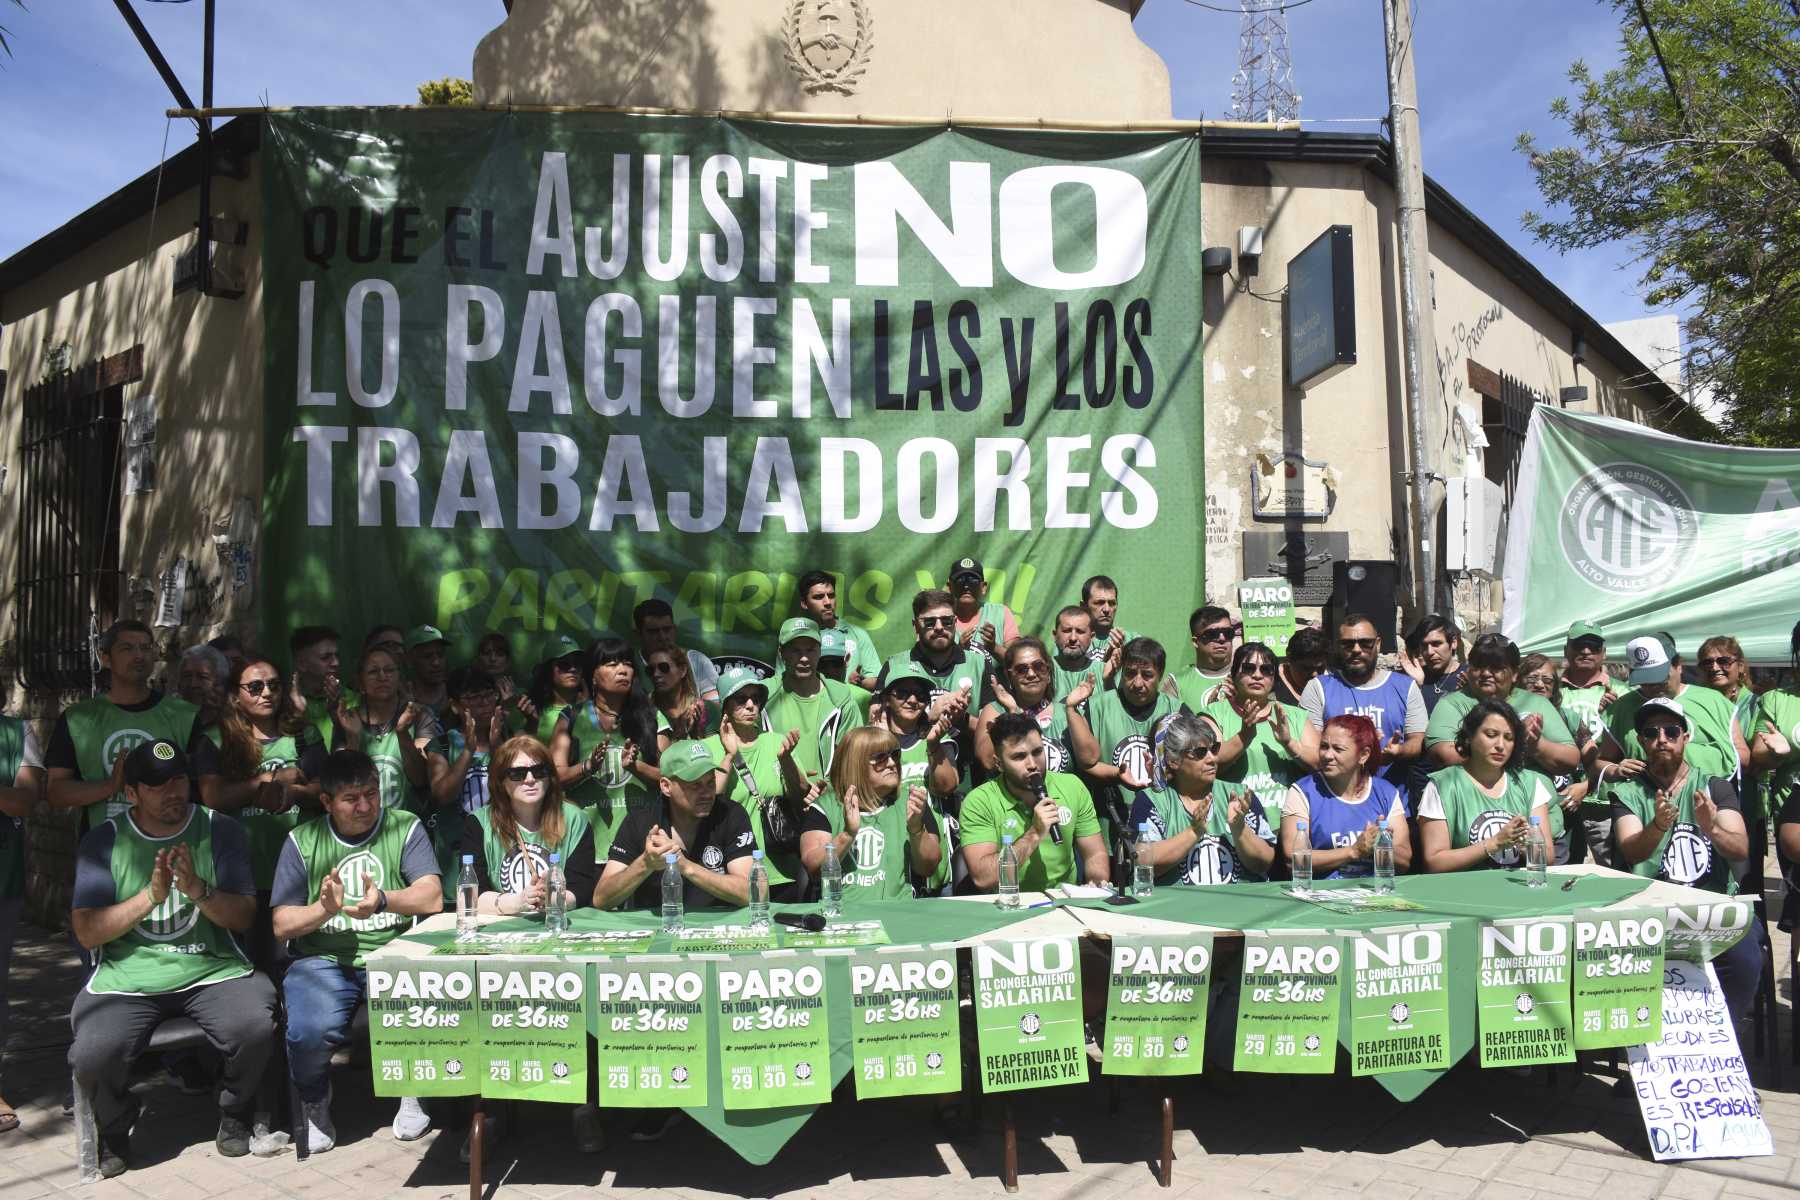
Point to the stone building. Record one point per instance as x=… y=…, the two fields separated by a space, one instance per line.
x=131 y=434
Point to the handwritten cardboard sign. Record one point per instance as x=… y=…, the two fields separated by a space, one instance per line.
x=1692 y=1085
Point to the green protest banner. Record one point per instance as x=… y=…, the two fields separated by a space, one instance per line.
x=838 y=933
x=1523 y=993
x=652 y=1024
x=1028 y=1014
x=1156 y=1004
x=422 y=1037
x=774 y=1040
x=905 y=1036
x=1702 y=932
x=545 y=366
x=1266 y=607
x=1399 y=999
x=1288 y=1003
x=533 y=1021
x=1639 y=531
x=1618 y=977
x=722 y=939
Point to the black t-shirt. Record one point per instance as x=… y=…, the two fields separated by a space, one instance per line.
x=722 y=838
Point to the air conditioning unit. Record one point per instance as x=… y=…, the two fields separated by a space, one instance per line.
x=1474 y=512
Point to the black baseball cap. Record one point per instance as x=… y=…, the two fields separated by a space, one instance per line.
x=966 y=566
x=155 y=763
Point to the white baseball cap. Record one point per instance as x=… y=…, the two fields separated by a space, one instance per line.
x=1648 y=659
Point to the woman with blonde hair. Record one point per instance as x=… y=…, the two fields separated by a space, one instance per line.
x=887 y=843
x=525 y=821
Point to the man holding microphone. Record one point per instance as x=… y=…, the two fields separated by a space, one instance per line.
x=1048 y=814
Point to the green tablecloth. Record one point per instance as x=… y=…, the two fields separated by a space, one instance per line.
x=1463 y=900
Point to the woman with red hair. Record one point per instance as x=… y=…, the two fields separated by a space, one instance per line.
x=1344 y=803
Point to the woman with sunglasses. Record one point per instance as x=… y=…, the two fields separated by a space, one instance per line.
x=1201 y=830
x=680 y=713
x=556 y=683
x=1538 y=675
x=511 y=839
x=1266 y=745
x=757 y=771
x=379 y=720
x=1030 y=689
x=886 y=837
x=1477 y=813
x=1345 y=802
x=268 y=756
x=615 y=717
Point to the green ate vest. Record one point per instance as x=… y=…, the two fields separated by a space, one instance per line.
x=390 y=766
x=878 y=865
x=753 y=778
x=1685 y=855
x=1063 y=681
x=1710 y=750
x=822 y=719
x=1199 y=691
x=1471 y=814
x=1447 y=719
x=1053 y=724
x=543 y=728
x=102 y=731
x=1780 y=708
x=1214 y=856
x=1129 y=742
x=12 y=829
x=373 y=863
x=606 y=800
x=1265 y=766
x=175 y=947
x=266 y=832
x=513 y=870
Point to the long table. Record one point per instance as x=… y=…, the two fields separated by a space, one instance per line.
x=1463 y=901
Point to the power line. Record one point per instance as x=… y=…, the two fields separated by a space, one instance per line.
x=1278 y=6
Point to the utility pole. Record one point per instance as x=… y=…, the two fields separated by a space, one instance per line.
x=1419 y=342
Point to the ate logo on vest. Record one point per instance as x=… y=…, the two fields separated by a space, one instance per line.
x=171 y=919
x=390 y=776
x=523 y=865
x=361 y=875
x=1135 y=756
x=868 y=847
x=1626 y=527
x=1212 y=861
x=1486 y=826
x=1688 y=856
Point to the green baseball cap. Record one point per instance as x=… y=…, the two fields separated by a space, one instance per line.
x=833 y=644
x=557 y=645
x=689 y=761
x=424 y=635
x=909 y=670
x=1581 y=629
x=799 y=627
x=733 y=680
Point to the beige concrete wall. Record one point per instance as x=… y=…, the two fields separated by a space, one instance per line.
x=925 y=57
x=203 y=363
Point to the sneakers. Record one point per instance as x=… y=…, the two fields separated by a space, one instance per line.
x=411 y=1122
x=321 y=1135
x=653 y=1124
x=590 y=1135
x=115 y=1148
x=234 y=1137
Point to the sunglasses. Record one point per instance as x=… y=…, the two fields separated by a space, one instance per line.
x=1030 y=670
x=571 y=663
x=1258 y=668
x=884 y=756
x=1200 y=753
x=1224 y=633
x=908 y=696
x=1660 y=732
x=257 y=687
x=1358 y=643
x=936 y=622
x=1721 y=662
x=537 y=771
x=662 y=668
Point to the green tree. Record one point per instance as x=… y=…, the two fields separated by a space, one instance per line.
x=1691 y=157
x=448 y=92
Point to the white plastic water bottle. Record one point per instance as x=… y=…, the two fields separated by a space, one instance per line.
x=1143 y=875
x=1384 y=859
x=674 y=894
x=468 y=892
x=831 y=877
x=759 y=891
x=1300 y=860
x=1537 y=859
x=1009 y=874
x=556 y=897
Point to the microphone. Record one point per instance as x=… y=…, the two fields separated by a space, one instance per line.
x=1056 y=826
x=811 y=922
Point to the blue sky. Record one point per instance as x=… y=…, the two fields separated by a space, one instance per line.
x=83 y=107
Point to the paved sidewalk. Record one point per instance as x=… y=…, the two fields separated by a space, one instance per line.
x=1474 y=1133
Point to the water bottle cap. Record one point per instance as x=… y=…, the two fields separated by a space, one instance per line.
x=1143 y=827
x=1006 y=840
x=468 y=860
x=1535 y=818
x=555 y=857
x=669 y=858
x=756 y=855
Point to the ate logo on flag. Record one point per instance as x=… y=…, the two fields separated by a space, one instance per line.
x=1627 y=527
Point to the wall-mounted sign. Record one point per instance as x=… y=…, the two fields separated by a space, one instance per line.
x=1291 y=487
x=1321 y=308
x=1303 y=558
